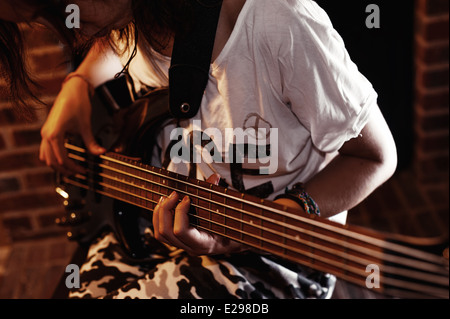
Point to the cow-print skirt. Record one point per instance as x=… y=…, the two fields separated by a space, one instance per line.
x=109 y=272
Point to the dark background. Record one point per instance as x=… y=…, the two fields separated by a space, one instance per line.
x=385 y=57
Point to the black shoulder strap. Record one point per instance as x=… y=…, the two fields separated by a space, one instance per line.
x=191 y=59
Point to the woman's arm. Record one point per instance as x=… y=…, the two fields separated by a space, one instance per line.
x=100 y=64
x=71 y=112
x=363 y=164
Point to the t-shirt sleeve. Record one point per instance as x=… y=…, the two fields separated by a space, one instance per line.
x=323 y=87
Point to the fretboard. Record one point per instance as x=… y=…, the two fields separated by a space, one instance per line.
x=342 y=250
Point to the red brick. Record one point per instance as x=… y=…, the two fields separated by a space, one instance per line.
x=37 y=255
x=39 y=179
x=356 y=216
x=10 y=162
x=435 y=167
x=8 y=116
x=39 y=36
x=2 y=143
x=27 y=137
x=374 y=206
x=50 y=86
x=47 y=61
x=432 y=77
x=5 y=240
x=426 y=221
x=20 y=202
x=434 y=53
x=439 y=196
x=405 y=224
x=443 y=215
x=407 y=184
x=390 y=197
x=48 y=220
x=9 y=185
x=46 y=87
x=429 y=100
x=3 y=93
x=433 y=7
x=60 y=250
x=432 y=122
x=434 y=29
x=433 y=143
x=15 y=224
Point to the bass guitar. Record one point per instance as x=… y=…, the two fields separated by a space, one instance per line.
x=120 y=191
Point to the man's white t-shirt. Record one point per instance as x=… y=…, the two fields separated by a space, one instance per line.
x=285 y=79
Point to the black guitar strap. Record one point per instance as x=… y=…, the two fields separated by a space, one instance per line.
x=191 y=59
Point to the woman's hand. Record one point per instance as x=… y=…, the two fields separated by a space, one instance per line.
x=71 y=113
x=171 y=225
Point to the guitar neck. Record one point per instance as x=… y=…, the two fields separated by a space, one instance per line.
x=345 y=251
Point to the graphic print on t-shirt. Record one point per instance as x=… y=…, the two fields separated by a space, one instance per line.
x=249 y=151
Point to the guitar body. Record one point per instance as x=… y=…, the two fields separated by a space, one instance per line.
x=130 y=220
x=133 y=130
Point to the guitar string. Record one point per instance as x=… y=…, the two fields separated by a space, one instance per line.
x=372 y=241
x=216 y=213
x=397 y=259
x=309 y=220
x=298 y=240
x=329 y=264
x=344 y=244
x=394 y=282
x=166 y=186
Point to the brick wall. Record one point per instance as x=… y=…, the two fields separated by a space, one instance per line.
x=28 y=204
x=432 y=104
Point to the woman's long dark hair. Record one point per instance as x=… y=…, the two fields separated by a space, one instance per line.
x=21 y=88
x=13 y=69
x=155 y=20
